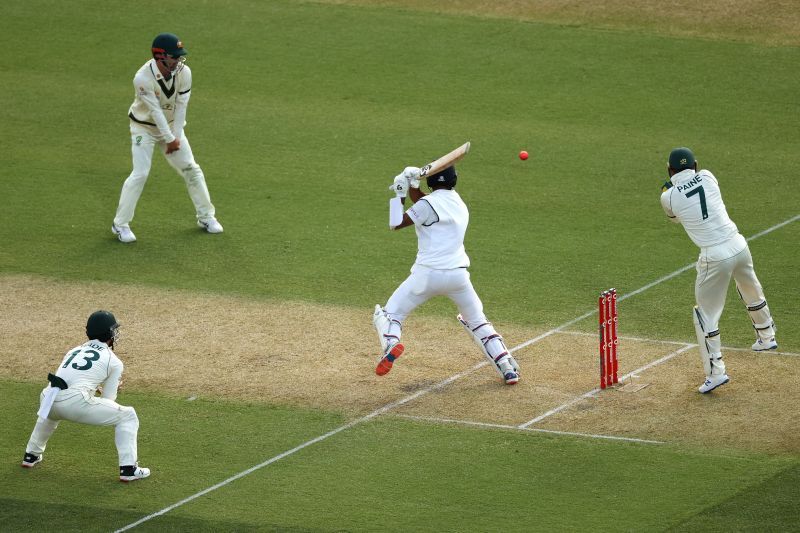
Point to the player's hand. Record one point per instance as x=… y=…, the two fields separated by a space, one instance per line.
x=400 y=186
x=412 y=175
x=174 y=146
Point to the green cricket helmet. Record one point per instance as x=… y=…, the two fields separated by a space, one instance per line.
x=169 y=51
x=681 y=159
x=102 y=326
x=168 y=43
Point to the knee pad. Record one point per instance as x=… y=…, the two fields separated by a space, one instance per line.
x=389 y=329
x=492 y=346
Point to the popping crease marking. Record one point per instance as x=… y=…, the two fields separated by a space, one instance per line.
x=592 y=392
x=536 y=430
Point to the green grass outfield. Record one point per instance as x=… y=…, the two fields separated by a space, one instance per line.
x=384 y=475
x=301 y=115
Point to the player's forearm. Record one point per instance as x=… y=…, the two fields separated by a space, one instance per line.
x=179 y=118
x=415 y=194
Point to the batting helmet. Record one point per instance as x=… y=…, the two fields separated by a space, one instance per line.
x=444 y=178
x=681 y=159
x=102 y=326
x=168 y=43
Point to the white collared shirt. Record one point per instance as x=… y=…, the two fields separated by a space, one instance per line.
x=695 y=201
x=159 y=102
x=440 y=220
x=89 y=365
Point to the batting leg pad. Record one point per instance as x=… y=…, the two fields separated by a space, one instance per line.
x=389 y=329
x=762 y=320
x=709 y=343
x=492 y=346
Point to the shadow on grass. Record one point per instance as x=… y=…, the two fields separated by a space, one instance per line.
x=769 y=506
x=24 y=515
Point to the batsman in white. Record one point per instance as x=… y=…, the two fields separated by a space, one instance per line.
x=693 y=199
x=157 y=118
x=71 y=395
x=440 y=219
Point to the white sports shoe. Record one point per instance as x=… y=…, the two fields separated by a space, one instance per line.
x=133 y=472
x=211 y=225
x=123 y=233
x=713 y=382
x=760 y=346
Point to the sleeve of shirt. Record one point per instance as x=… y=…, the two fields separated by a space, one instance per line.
x=146 y=93
x=182 y=102
x=666 y=204
x=111 y=384
x=422 y=213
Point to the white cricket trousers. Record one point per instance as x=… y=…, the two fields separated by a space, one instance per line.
x=425 y=283
x=711 y=288
x=143 y=142
x=80 y=406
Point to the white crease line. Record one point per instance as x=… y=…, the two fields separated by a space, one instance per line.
x=680 y=343
x=536 y=430
x=306 y=444
x=417 y=394
x=592 y=392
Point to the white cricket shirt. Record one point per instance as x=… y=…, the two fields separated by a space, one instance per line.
x=89 y=365
x=696 y=202
x=160 y=102
x=441 y=220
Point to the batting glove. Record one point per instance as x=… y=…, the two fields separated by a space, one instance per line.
x=412 y=175
x=400 y=186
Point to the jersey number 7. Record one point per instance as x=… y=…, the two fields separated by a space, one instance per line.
x=701 y=192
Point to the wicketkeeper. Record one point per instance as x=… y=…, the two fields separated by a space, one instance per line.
x=71 y=395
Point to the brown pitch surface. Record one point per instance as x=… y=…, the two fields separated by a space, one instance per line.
x=770 y=22
x=187 y=344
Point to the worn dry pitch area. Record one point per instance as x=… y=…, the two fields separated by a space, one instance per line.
x=202 y=345
x=771 y=22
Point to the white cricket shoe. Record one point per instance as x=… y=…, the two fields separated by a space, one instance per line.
x=761 y=346
x=211 y=225
x=133 y=473
x=713 y=382
x=123 y=233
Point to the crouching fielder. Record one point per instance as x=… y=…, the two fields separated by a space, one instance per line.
x=693 y=199
x=71 y=396
x=440 y=219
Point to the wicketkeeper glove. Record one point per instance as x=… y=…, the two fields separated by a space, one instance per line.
x=400 y=186
x=412 y=175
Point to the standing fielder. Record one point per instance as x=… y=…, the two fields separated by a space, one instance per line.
x=693 y=199
x=71 y=396
x=157 y=117
x=440 y=219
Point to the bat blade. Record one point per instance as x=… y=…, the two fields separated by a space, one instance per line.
x=445 y=161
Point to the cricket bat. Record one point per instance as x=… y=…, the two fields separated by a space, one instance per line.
x=444 y=161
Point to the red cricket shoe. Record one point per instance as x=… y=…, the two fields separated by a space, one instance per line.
x=386 y=362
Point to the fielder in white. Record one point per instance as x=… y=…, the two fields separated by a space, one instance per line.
x=440 y=219
x=157 y=118
x=71 y=396
x=693 y=199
